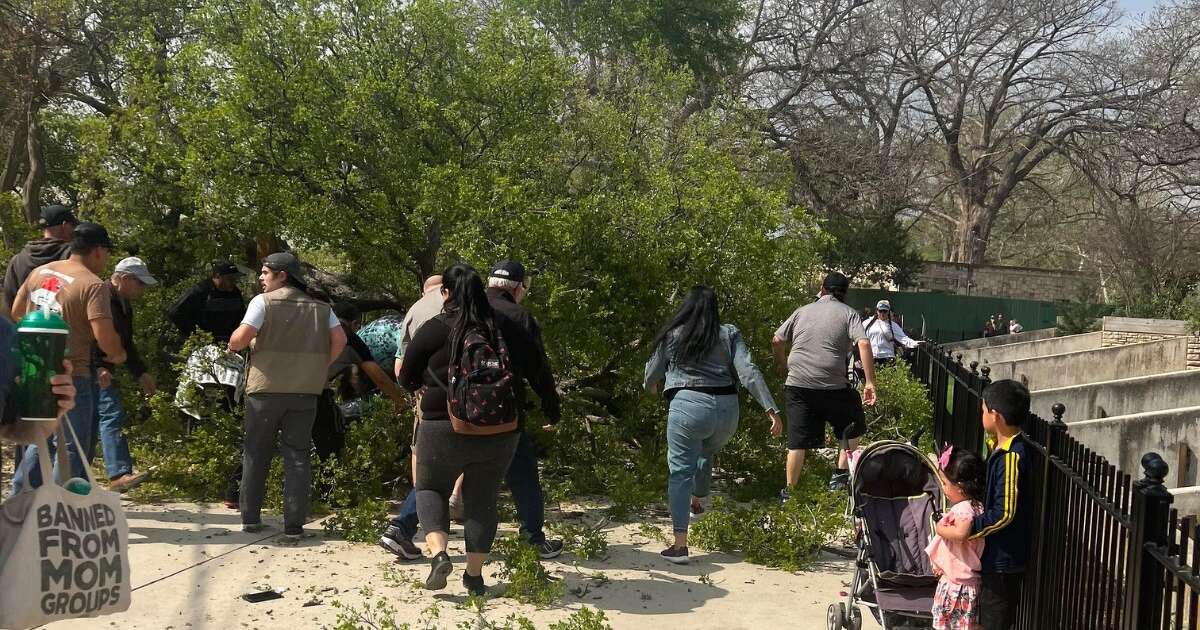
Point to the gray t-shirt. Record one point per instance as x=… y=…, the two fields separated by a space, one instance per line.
x=821 y=334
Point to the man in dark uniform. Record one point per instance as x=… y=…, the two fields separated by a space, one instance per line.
x=508 y=284
x=215 y=304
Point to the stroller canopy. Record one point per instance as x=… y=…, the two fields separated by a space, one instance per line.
x=895 y=490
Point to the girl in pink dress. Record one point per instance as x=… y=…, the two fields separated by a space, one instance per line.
x=957 y=562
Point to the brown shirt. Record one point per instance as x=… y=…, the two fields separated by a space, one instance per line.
x=72 y=290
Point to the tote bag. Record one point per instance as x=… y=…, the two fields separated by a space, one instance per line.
x=62 y=555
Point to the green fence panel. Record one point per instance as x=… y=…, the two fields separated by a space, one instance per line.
x=946 y=318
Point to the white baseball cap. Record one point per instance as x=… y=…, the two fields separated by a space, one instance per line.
x=883 y=305
x=133 y=266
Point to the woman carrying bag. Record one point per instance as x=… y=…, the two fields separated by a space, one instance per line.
x=465 y=360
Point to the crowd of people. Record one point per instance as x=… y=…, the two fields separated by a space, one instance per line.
x=465 y=352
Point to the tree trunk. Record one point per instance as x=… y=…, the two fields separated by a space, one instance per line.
x=971 y=234
x=425 y=257
x=36 y=174
x=15 y=156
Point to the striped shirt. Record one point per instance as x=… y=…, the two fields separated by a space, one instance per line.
x=1006 y=524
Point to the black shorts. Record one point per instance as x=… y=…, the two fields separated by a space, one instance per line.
x=999 y=594
x=808 y=410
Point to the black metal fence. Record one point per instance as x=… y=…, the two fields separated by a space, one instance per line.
x=1108 y=553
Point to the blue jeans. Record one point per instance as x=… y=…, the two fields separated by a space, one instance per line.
x=698 y=425
x=84 y=420
x=523 y=482
x=117 y=460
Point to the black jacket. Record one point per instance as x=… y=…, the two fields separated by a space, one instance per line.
x=122 y=315
x=1006 y=524
x=208 y=308
x=543 y=381
x=35 y=254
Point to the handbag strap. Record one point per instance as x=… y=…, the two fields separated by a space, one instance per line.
x=60 y=453
x=87 y=469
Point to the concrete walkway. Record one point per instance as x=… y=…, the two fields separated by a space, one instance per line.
x=190 y=564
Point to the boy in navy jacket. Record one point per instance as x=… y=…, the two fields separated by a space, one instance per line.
x=1006 y=523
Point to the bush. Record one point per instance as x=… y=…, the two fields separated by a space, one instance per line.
x=583 y=619
x=191 y=467
x=375 y=460
x=586 y=543
x=782 y=535
x=529 y=582
x=903 y=408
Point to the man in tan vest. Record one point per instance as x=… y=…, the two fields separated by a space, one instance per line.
x=295 y=338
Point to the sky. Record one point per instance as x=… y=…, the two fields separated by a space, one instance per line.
x=1137 y=6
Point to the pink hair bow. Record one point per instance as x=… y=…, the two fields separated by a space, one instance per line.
x=944 y=458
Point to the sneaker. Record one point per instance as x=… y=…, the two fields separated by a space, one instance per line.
x=456 y=509
x=127 y=482
x=784 y=495
x=253 y=528
x=697 y=509
x=439 y=569
x=474 y=585
x=677 y=555
x=231 y=504
x=839 y=481
x=548 y=549
x=293 y=534
x=396 y=542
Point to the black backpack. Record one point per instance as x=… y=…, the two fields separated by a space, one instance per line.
x=482 y=393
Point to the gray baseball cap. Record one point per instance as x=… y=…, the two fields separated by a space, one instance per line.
x=134 y=266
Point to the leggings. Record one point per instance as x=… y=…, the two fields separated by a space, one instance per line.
x=442 y=455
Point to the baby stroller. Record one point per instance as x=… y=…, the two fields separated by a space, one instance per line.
x=895 y=499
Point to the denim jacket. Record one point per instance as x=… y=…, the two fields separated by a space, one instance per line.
x=717 y=369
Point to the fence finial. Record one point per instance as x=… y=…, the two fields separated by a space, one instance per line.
x=987 y=373
x=974 y=367
x=958 y=358
x=1058 y=409
x=1155 y=469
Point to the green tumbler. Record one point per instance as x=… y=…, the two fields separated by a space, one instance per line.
x=41 y=344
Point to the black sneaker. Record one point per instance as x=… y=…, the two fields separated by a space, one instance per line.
x=474 y=584
x=839 y=481
x=439 y=569
x=396 y=542
x=677 y=555
x=548 y=549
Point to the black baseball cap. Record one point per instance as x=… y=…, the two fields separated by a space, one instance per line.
x=220 y=268
x=90 y=234
x=836 y=282
x=509 y=270
x=285 y=261
x=57 y=214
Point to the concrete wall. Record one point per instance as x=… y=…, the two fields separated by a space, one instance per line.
x=1119 y=331
x=1000 y=340
x=1012 y=282
x=1093 y=366
x=1124 y=439
x=1121 y=397
x=1032 y=349
x=1187 y=500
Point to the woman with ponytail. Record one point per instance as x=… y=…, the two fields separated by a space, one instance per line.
x=442 y=453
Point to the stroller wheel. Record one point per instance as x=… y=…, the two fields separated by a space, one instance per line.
x=854 y=619
x=837 y=616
